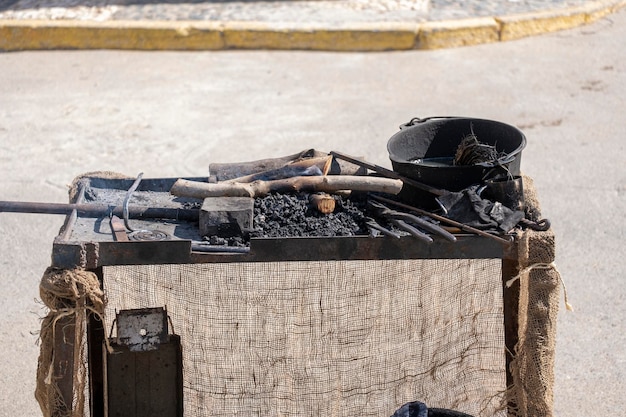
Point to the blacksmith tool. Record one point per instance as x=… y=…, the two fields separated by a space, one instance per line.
x=404 y=220
x=118 y=228
x=443 y=219
x=540 y=225
x=98 y=210
x=129 y=193
x=374 y=227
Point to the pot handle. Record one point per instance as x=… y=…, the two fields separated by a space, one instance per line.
x=417 y=120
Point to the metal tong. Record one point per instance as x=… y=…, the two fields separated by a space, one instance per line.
x=402 y=220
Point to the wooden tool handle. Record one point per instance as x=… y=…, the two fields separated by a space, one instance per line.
x=324 y=203
x=329 y=184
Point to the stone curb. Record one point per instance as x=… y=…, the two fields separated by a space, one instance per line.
x=18 y=35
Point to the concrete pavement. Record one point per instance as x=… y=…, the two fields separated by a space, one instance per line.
x=331 y=25
x=63 y=113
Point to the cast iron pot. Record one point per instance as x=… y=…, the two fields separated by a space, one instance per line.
x=423 y=150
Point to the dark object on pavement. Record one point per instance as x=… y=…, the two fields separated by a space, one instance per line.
x=419 y=409
x=412 y=409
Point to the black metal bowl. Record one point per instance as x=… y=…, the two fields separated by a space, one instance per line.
x=423 y=150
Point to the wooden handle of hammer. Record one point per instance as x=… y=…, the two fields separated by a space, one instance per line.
x=329 y=184
x=324 y=203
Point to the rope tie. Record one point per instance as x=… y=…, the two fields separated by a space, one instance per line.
x=552 y=266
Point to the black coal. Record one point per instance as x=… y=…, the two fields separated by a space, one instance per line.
x=291 y=215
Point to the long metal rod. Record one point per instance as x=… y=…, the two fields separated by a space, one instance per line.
x=97 y=210
x=442 y=219
x=129 y=193
x=389 y=173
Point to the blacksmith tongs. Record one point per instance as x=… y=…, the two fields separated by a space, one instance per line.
x=402 y=220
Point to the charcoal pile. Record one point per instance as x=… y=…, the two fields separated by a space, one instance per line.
x=291 y=215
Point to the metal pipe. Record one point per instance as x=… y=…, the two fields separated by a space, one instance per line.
x=97 y=210
x=129 y=193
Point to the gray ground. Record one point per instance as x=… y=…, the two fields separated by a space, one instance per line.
x=171 y=113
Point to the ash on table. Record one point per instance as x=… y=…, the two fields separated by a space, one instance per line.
x=291 y=215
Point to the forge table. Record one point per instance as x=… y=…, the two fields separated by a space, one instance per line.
x=311 y=326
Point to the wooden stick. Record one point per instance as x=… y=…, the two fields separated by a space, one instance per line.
x=288 y=170
x=226 y=171
x=329 y=184
x=324 y=203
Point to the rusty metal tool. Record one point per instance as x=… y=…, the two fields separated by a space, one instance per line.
x=118 y=228
x=201 y=246
x=97 y=210
x=442 y=219
x=404 y=221
x=129 y=193
x=412 y=230
x=400 y=224
x=540 y=225
x=373 y=225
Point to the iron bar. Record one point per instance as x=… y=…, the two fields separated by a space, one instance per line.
x=97 y=210
x=442 y=219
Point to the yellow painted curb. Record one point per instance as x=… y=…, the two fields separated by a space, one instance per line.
x=597 y=10
x=362 y=37
x=455 y=33
x=16 y=35
x=529 y=24
x=65 y=34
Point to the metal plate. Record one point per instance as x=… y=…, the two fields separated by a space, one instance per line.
x=142 y=329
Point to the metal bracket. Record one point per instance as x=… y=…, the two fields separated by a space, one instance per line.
x=142 y=329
